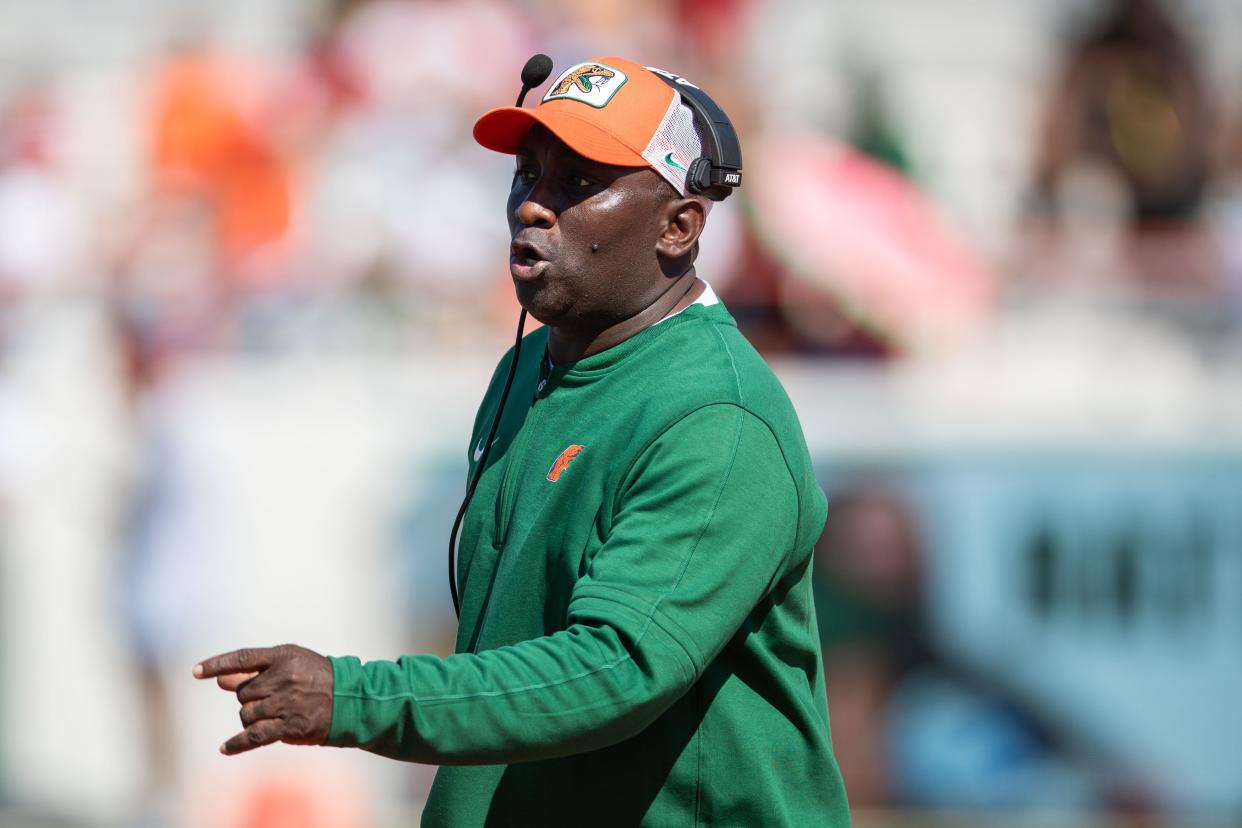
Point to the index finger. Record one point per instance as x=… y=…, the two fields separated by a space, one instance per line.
x=249 y=660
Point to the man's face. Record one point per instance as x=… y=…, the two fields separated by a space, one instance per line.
x=560 y=206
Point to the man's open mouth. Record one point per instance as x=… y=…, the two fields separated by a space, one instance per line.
x=526 y=261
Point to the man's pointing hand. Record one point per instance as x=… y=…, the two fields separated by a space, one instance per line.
x=285 y=694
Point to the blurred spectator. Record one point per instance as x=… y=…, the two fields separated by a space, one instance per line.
x=397 y=206
x=42 y=229
x=169 y=549
x=868 y=574
x=1132 y=115
x=205 y=149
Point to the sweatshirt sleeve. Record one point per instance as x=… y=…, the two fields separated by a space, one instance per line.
x=704 y=522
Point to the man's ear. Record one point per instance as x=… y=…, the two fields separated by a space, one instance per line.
x=681 y=222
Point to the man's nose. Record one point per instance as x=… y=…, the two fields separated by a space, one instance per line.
x=531 y=213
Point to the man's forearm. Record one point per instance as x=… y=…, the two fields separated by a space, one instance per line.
x=577 y=690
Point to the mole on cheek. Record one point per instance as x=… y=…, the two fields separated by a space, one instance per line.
x=594 y=247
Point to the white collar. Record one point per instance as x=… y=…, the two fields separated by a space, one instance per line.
x=707 y=298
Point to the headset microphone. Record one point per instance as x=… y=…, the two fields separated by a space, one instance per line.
x=535 y=72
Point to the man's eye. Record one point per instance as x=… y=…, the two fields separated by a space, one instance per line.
x=526 y=176
x=580 y=183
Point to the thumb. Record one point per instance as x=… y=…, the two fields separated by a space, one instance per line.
x=231 y=681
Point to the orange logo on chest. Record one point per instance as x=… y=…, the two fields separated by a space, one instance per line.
x=562 y=462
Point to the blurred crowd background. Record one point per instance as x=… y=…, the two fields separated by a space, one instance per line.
x=253 y=279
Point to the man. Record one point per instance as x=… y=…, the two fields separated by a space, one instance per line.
x=638 y=641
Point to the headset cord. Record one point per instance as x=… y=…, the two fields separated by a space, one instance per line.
x=480 y=465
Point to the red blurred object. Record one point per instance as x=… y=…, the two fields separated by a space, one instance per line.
x=856 y=230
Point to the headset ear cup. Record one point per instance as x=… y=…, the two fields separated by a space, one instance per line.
x=699 y=176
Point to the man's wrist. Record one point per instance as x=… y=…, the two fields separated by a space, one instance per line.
x=347 y=685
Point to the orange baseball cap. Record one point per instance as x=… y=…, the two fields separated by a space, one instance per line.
x=609 y=110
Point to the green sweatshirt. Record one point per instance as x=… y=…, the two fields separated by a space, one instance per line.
x=638 y=643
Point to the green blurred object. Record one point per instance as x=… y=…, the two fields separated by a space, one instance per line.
x=871 y=128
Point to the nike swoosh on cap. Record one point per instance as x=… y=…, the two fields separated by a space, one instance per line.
x=668 y=159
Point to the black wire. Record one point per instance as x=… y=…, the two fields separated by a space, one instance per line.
x=531 y=77
x=479 y=465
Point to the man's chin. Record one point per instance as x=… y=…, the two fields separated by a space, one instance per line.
x=536 y=298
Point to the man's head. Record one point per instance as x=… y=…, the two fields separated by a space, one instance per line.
x=594 y=243
x=601 y=220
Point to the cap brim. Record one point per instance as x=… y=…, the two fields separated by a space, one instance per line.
x=504 y=129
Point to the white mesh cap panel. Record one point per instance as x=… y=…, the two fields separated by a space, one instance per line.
x=675 y=144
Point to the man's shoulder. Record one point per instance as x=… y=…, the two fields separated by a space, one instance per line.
x=708 y=354
x=707 y=363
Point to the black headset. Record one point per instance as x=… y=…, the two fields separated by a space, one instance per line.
x=713 y=175
x=720 y=170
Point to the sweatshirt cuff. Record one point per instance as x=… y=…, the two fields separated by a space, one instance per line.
x=347 y=687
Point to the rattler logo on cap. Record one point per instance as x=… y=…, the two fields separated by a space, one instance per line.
x=590 y=83
x=648 y=125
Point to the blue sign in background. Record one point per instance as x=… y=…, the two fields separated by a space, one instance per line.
x=1105 y=588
